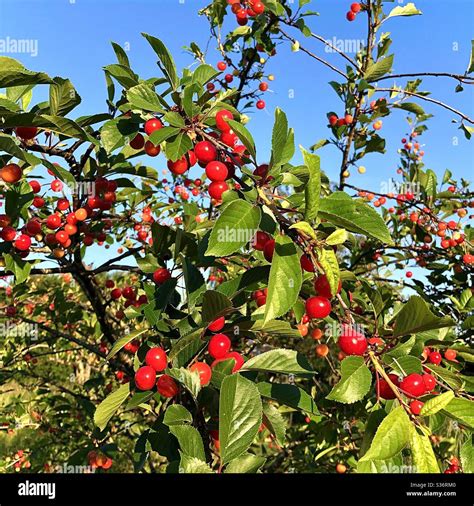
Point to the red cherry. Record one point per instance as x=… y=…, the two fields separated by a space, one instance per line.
x=355 y=7
x=167 y=386
x=156 y=358
x=161 y=275
x=268 y=250
x=151 y=149
x=217 y=188
x=352 y=342
x=318 y=307
x=415 y=407
x=435 y=357
x=217 y=324
x=258 y=7
x=384 y=389
x=306 y=263
x=145 y=378
x=263 y=86
x=205 y=151
x=33 y=227
x=222 y=117
x=260 y=104
x=152 y=125
x=261 y=300
x=23 y=242
x=219 y=346
x=413 y=385
x=26 y=133
x=8 y=234
x=35 y=186
x=179 y=166
x=321 y=285
x=450 y=354
x=216 y=171
x=260 y=239
x=129 y=293
x=116 y=293
x=222 y=65
x=350 y=16
x=430 y=382
x=238 y=359
x=137 y=142
x=204 y=372
x=333 y=120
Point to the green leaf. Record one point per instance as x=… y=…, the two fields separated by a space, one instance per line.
x=189 y=379
x=416 y=316
x=313 y=188
x=461 y=410
x=437 y=403
x=379 y=69
x=289 y=395
x=186 y=348
x=306 y=228
x=120 y=54
x=234 y=228
x=62 y=97
x=424 y=459
x=467 y=456
x=18 y=267
x=192 y=465
x=355 y=381
x=158 y=136
x=214 y=305
x=13 y=73
x=190 y=441
x=279 y=360
x=411 y=107
x=391 y=437
x=470 y=67
x=143 y=96
x=406 y=10
x=452 y=379
x=402 y=349
x=245 y=137
x=177 y=415
x=178 y=146
x=339 y=236
x=109 y=406
x=246 y=463
x=341 y=210
x=221 y=370
x=285 y=279
x=204 y=73
x=123 y=74
x=122 y=341
x=167 y=62
x=328 y=260
x=240 y=416
x=274 y=422
x=279 y=137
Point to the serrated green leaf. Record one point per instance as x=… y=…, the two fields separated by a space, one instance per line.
x=355 y=381
x=437 y=403
x=109 y=406
x=279 y=360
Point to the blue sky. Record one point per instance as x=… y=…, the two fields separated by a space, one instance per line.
x=74 y=41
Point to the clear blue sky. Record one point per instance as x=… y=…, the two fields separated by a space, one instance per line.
x=74 y=41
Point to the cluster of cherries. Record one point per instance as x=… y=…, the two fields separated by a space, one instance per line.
x=21 y=461
x=99 y=460
x=156 y=360
x=244 y=10
x=354 y=10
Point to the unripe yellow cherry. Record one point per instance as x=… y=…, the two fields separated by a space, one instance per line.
x=362 y=170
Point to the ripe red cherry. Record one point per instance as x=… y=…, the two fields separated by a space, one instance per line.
x=222 y=117
x=415 y=407
x=217 y=171
x=435 y=357
x=268 y=250
x=137 y=142
x=333 y=120
x=56 y=185
x=204 y=372
x=384 y=389
x=179 y=166
x=260 y=104
x=8 y=234
x=355 y=8
x=413 y=385
x=23 y=242
x=219 y=346
x=11 y=173
x=217 y=188
x=222 y=65
x=35 y=186
x=26 y=133
x=161 y=275
x=156 y=358
x=318 y=307
x=53 y=221
x=352 y=342
x=238 y=360
x=217 y=324
x=33 y=227
x=263 y=86
x=167 y=386
x=151 y=149
x=430 y=382
x=116 y=293
x=258 y=7
x=260 y=239
x=129 y=293
x=450 y=354
x=205 y=151
x=306 y=263
x=321 y=285
x=350 y=16
x=152 y=125
x=145 y=378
